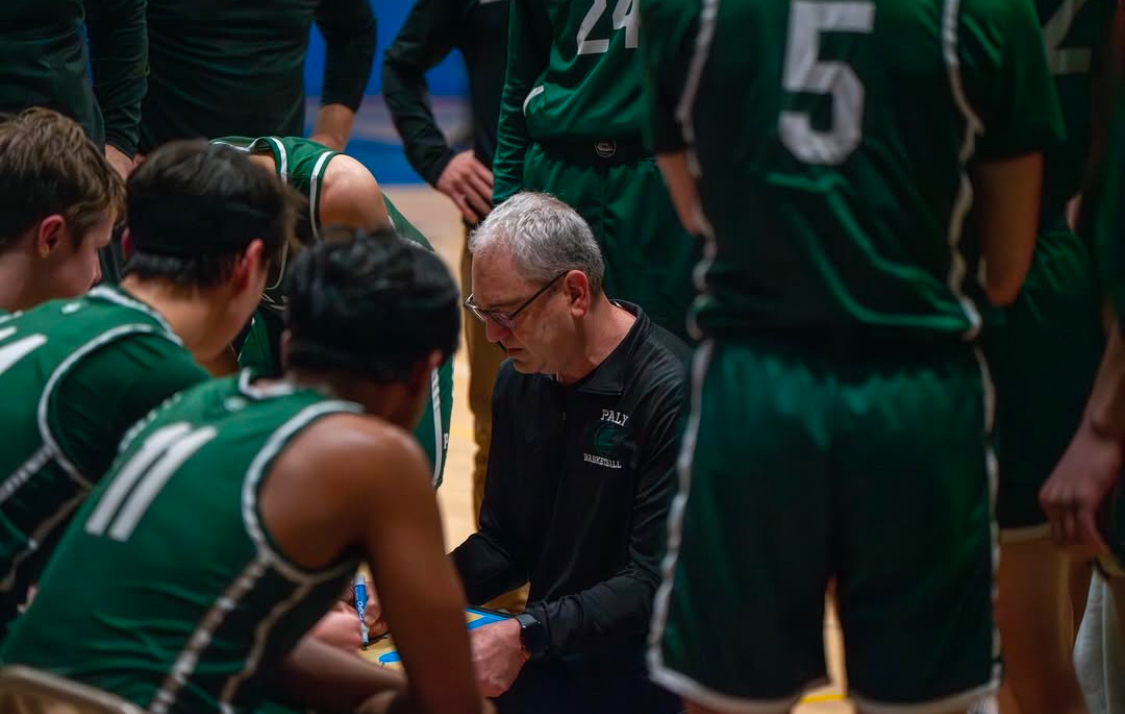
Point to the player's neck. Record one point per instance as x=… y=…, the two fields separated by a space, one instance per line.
x=17 y=282
x=600 y=332
x=383 y=401
x=191 y=315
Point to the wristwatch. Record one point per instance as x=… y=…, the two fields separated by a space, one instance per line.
x=533 y=635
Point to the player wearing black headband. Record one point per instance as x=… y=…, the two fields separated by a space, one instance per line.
x=235 y=514
x=205 y=226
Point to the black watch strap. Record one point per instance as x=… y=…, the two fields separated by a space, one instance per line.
x=532 y=634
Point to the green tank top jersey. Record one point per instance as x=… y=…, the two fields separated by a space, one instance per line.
x=62 y=422
x=302 y=164
x=1076 y=35
x=831 y=140
x=168 y=590
x=588 y=80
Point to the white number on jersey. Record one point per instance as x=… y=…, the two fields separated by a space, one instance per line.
x=624 y=16
x=140 y=479
x=17 y=350
x=1073 y=60
x=804 y=72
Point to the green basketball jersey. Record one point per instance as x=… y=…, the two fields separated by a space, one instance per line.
x=302 y=163
x=831 y=140
x=1076 y=35
x=587 y=81
x=168 y=589
x=75 y=375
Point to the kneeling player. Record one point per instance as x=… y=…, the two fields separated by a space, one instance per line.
x=235 y=514
x=59 y=200
x=205 y=225
x=340 y=191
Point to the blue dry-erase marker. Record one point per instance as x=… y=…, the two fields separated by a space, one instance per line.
x=361 y=605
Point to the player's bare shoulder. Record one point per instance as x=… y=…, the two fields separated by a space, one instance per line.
x=352 y=196
x=357 y=447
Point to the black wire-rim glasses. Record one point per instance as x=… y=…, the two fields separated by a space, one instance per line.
x=507 y=320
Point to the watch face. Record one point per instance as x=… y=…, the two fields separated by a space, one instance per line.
x=532 y=634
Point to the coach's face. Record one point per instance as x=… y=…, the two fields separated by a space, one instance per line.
x=529 y=319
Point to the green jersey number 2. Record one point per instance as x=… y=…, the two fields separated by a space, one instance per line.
x=804 y=72
x=1072 y=60
x=623 y=17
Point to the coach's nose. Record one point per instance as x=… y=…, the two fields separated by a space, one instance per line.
x=495 y=332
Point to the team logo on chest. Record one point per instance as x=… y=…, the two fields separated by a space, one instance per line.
x=609 y=436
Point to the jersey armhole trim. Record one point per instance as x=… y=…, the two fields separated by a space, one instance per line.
x=259 y=467
x=43 y=416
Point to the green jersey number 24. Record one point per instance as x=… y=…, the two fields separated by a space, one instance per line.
x=623 y=17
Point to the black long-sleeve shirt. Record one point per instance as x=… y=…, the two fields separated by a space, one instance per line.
x=224 y=67
x=44 y=61
x=580 y=479
x=434 y=28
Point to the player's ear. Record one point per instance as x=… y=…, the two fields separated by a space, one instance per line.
x=49 y=234
x=248 y=266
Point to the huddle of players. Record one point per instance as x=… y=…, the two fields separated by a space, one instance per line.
x=205 y=523
x=850 y=164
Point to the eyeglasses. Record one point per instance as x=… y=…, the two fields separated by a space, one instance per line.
x=507 y=320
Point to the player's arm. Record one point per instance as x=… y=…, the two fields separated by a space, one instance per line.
x=118 y=37
x=352 y=196
x=681 y=186
x=491 y=562
x=426 y=38
x=1007 y=193
x=397 y=521
x=312 y=664
x=1091 y=465
x=351 y=484
x=1009 y=101
x=529 y=46
x=666 y=42
x=348 y=27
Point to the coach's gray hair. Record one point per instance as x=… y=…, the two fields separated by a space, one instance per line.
x=545 y=236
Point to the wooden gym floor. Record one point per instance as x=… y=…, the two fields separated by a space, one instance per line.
x=439 y=221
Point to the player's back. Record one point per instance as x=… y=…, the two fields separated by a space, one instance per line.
x=591 y=85
x=57 y=444
x=832 y=139
x=168 y=589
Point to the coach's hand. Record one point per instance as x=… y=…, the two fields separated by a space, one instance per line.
x=1078 y=487
x=498 y=656
x=468 y=183
x=121 y=163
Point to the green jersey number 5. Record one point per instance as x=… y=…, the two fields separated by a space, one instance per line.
x=804 y=72
x=623 y=17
